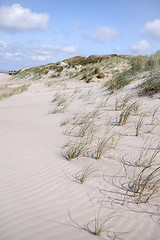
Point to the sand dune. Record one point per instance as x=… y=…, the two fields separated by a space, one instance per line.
x=41 y=198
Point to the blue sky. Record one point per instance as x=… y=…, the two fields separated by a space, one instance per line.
x=36 y=32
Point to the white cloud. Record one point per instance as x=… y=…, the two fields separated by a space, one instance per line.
x=54 y=50
x=40 y=58
x=152 y=29
x=16 y=18
x=140 y=47
x=70 y=49
x=19 y=57
x=105 y=34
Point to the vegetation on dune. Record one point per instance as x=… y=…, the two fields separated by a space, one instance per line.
x=14 y=91
x=77 y=149
x=151 y=85
x=79 y=60
x=121 y=80
x=146 y=185
x=39 y=71
x=84 y=68
x=82 y=176
x=139 y=65
x=100 y=66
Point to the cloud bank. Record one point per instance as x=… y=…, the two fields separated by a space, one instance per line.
x=15 y=18
x=33 y=54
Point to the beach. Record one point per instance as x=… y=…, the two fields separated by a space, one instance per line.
x=43 y=196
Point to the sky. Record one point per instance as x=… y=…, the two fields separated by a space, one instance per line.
x=36 y=32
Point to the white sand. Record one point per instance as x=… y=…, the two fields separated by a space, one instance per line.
x=39 y=198
x=4 y=77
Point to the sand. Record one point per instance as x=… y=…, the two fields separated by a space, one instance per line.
x=41 y=198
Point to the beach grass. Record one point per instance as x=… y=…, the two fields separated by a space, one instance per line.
x=85 y=173
x=146 y=185
x=14 y=91
x=103 y=144
x=125 y=113
x=77 y=149
x=139 y=124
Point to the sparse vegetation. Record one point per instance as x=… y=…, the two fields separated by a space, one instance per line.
x=94 y=123
x=99 y=223
x=154 y=114
x=81 y=118
x=65 y=122
x=147 y=155
x=103 y=103
x=85 y=173
x=94 y=66
x=57 y=97
x=103 y=144
x=125 y=114
x=139 y=124
x=138 y=65
x=151 y=85
x=58 y=109
x=14 y=91
x=125 y=101
x=87 y=129
x=136 y=106
x=121 y=80
x=77 y=149
x=146 y=185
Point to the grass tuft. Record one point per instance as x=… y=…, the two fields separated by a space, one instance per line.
x=99 y=223
x=139 y=124
x=87 y=129
x=121 y=80
x=151 y=85
x=125 y=114
x=85 y=173
x=77 y=149
x=15 y=91
x=146 y=185
x=154 y=113
x=104 y=144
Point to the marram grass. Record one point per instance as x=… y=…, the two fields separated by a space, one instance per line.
x=146 y=185
x=15 y=91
